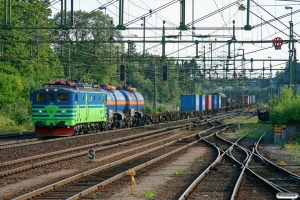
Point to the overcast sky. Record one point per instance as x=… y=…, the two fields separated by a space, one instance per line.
x=134 y=9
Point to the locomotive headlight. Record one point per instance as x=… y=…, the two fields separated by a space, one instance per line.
x=46 y=90
x=63 y=111
x=55 y=90
x=40 y=111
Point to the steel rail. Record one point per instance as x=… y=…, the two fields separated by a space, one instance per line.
x=190 y=188
x=18 y=134
x=95 y=170
x=96 y=187
x=187 y=192
x=128 y=140
x=18 y=144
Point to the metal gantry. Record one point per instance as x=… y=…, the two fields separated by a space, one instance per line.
x=165 y=40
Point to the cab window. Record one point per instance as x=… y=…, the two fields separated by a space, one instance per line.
x=62 y=97
x=51 y=97
x=41 y=97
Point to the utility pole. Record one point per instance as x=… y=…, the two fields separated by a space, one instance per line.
x=154 y=103
x=291 y=47
x=211 y=82
x=69 y=59
x=144 y=33
x=243 y=75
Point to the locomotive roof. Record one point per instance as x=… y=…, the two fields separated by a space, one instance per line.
x=71 y=87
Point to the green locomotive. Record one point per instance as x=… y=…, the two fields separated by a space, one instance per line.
x=66 y=108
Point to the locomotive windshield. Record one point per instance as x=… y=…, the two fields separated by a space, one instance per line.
x=62 y=97
x=41 y=97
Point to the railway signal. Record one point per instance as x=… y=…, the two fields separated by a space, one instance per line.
x=122 y=73
x=165 y=72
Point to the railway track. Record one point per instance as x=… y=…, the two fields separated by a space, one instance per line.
x=124 y=144
x=229 y=166
x=15 y=166
x=24 y=138
x=90 y=181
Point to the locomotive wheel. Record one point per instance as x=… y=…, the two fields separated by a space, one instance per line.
x=81 y=131
x=76 y=131
x=148 y=120
x=141 y=122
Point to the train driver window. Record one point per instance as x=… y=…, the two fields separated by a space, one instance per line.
x=51 y=97
x=62 y=97
x=40 y=97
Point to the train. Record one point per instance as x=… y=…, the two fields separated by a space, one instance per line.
x=65 y=108
x=213 y=103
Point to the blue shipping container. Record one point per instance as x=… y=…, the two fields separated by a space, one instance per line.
x=189 y=102
x=201 y=102
x=214 y=101
x=219 y=101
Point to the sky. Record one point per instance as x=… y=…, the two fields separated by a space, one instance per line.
x=208 y=22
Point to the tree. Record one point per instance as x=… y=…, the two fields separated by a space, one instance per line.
x=24 y=66
x=95 y=61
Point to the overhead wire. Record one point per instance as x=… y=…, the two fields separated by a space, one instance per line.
x=274 y=16
x=176 y=51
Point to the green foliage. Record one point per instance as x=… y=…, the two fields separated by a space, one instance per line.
x=161 y=109
x=90 y=62
x=20 y=111
x=285 y=108
x=294 y=145
x=148 y=109
x=23 y=70
x=149 y=194
x=9 y=125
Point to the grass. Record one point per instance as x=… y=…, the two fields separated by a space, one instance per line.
x=293 y=151
x=176 y=131
x=295 y=145
x=199 y=160
x=7 y=125
x=247 y=125
x=149 y=194
x=241 y=121
x=182 y=172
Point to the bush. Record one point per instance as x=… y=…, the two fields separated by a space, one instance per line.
x=21 y=116
x=162 y=109
x=285 y=109
x=20 y=111
x=148 y=109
